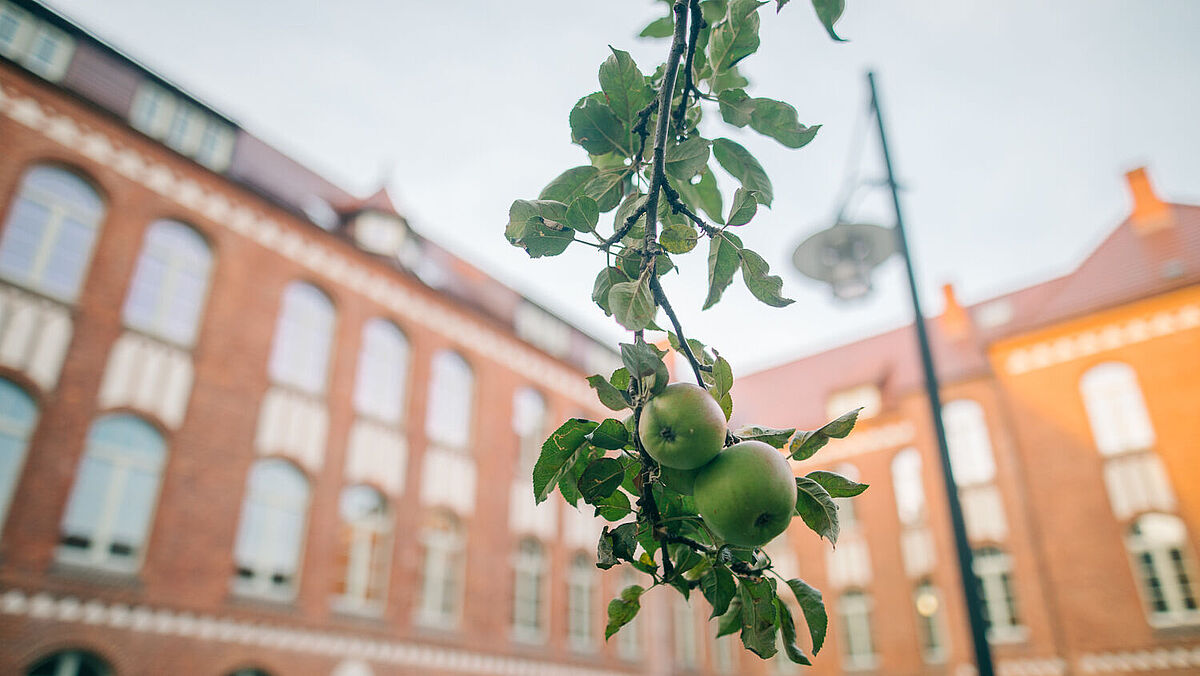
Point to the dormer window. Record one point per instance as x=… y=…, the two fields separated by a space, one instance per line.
x=379 y=232
x=36 y=45
x=843 y=401
x=186 y=128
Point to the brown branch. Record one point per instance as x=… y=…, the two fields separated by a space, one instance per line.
x=738 y=567
x=697 y=22
x=679 y=207
x=623 y=229
x=661 y=298
x=643 y=118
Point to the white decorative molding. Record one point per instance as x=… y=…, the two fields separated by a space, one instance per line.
x=849 y=565
x=916 y=547
x=148 y=375
x=422 y=658
x=239 y=216
x=448 y=480
x=526 y=517
x=983 y=511
x=580 y=529
x=1136 y=483
x=377 y=454
x=1161 y=659
x=867 y=440
x=34 y=333
x=294 y=425
x=1108 y=337
x=1033 y=666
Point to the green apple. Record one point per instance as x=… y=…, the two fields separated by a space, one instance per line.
x=678 y=480
x=747 y=494
x=682 y=427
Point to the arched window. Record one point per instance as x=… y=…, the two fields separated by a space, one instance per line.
x=908 y=487
x=70 y=663
x=581 y=593
x=683 y=621
x=928 y=604
x=858 y=648
x=529 y=424
x=629 y=642
x=271 y=530
x=366 y=548
x=18 y=414
x=303 y=338
x=1116 y=409
x=451 y=389
x=529 y=591
x=847 y=510
x=50 y=231
x=108 y=515
x=993 y=572
x=970 y=446
x=382 y=372
x=1165 y=572
x=442 y=572
x=170 y=282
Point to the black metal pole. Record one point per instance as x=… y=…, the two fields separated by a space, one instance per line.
x=983 y=652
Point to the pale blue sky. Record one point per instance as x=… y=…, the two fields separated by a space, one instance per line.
x=1011 y=125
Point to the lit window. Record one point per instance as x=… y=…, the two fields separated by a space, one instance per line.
x=40 y=47
x=684 y=622
x=451 y=389
x=908 y=487
x=629 y=644
x=928 y=604
x=866 y=397
x=581 y=592
x=49 y=233
x=858 y=649
x=1116 y=409
x=970 y=446
x=1158 y=545
x=529 y=592
x=70 y=663
x=366 y=553
x=170 y=282
x=303 y=338
x=108 y=515
x=529 y=424
x=993 y=572
x=271 y=532
x=442 y=573
x=382 y=372
x=18 y=414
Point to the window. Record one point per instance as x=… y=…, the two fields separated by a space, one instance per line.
x=1158 y=545
x=271 y=533
x=40 y=47
x=49 y=233
x=184 y=127
x=529 y=424
x=382 y=372
x=153 y=109
x=1116 y=409
x=70 y=663
x=928 y=604
x=684 y=623
x=366 y=549
x=581 y=593
x=867 y=397
x=858 y=650
x=970 y=446
x=303 y=338
x=908 y=487
x=18 y=414
x=108 y=514
x=442 y=582
x=170 y=282
x=993 y=572
x=451 y=388
x=529 y=591
x=629 y=644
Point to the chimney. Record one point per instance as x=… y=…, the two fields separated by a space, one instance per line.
x=1150 y=213
x=954 y=320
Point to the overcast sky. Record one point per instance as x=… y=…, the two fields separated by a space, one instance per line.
x=1011 y=124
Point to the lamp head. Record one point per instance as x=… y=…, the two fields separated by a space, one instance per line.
x=844 y=256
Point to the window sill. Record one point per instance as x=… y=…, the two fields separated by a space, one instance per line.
x=100 y=574
x=528 y=637
x=1008 y=635
x=437 y=624
x=1176 y=624
x=862 y=664
x=356 y=609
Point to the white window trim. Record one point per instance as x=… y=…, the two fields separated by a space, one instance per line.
x=581 y=584
x=530 y=586
x=445 y=553
x=855 y=610
x=166 y=298
x=1176 y=615
x=261 y=586
x=363 y=560
x=990 y=571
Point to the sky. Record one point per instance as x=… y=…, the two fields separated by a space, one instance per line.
x=1011 y=125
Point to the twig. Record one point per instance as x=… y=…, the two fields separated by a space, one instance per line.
x=643 y=118
x=661 y=298
x=679 y=207
x=697 y=22
x=624 y=229
x=739 y=567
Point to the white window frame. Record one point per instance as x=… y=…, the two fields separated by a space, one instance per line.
x=994 y=571
x=1169 y=559
x=19 y=432
x=443 y=577
x=530 y=414
x=26 y=25
x=867 y=396
x=581 y=605
x=908 y=487
x=529 y=606
x=970 y=443
x=381 y=383
x=369 y=556
x=63 y=47
x=1116 y=409
x=152 y=110
x=449 y=411
x=183 y=252
x=858 y=643
x=258 y=561
x=931 y=629
x=217 y=154
x=303 y=342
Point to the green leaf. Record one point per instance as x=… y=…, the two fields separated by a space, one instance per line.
x=530 y=227
x=805 y=444
x=829 y=11
x=837 y=485
x=610 y=396
x=559 y=454
x=764 y=286
x=736 y=37
x=583 y=214
x=780 y=5
x=616 y=545
x=723 y=262
x=736 y=107
x=813 y=608
x=728 y=79
x=722 y=376
x=787 y=630
x=743 y=207
x=595 y=127
x=719 y=588
x=610 y=434
x=624 y=85
x=774 y=437
x=629 y=206
x=620 y=379
x=568 y=484
x=623 y=609
x=604 y=283
x=600 y=479
x=569 y=184
x=759 y=615
x=685 y=160
x=632 y=303
x=741 y=165
x=613 y=508
x=607 y=187
x=726 y=402
x=816 y=507
x=659 y=28
x=731 y=621
x=641 y=359
x=780 y=121
x=679 y=238
x=703 y=195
